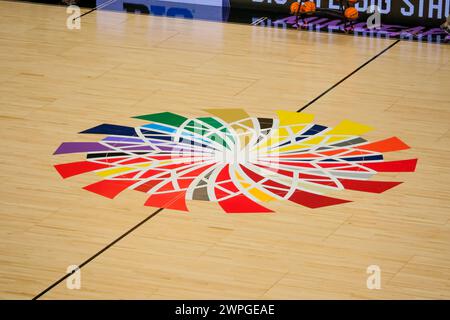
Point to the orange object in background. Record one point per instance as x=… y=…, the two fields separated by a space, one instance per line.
x=295 y=7
x=351 y=13
x=308 y=7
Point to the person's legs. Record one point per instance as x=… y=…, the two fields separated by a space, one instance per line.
x=446 y=25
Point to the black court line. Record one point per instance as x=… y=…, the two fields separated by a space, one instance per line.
x=100 y=6
x=86 y=13
x=98 y=253
x=346 y=77
x=161 y=209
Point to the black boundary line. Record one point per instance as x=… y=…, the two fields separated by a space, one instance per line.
x=347 y=76
x=86 y=13
x=109 y=245
x=97 y=254
x=100 y=6
x=161 y=209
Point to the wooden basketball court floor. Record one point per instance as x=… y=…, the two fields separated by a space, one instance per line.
x=56 y=82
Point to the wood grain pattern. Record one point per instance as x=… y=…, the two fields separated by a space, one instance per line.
x=56 y=82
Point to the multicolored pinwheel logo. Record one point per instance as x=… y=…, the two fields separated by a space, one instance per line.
x=240 y=162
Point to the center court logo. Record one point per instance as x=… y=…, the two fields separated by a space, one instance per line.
x=241 y=162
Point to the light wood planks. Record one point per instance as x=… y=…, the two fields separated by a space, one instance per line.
x=55 y=82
